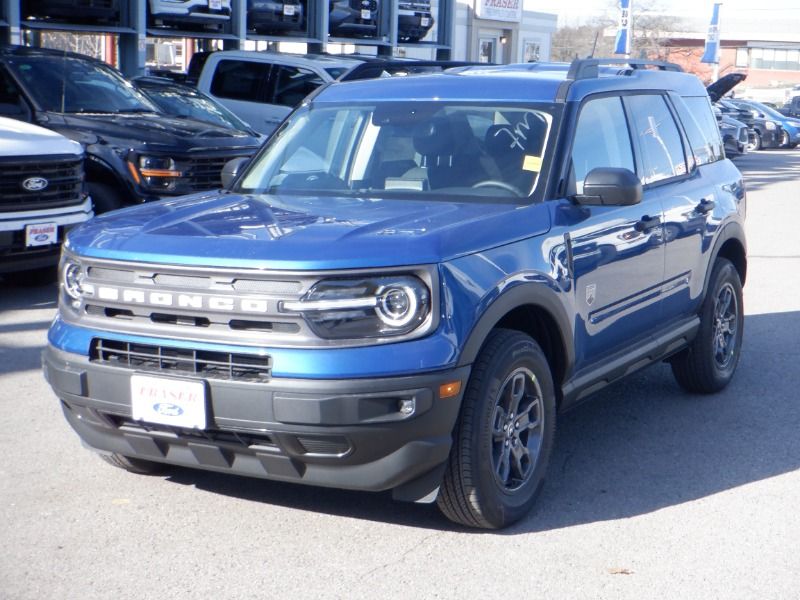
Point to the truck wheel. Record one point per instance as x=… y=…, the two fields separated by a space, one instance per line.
x=134 y=465
x=505 y=434
x=104 y=197
x=708 y=364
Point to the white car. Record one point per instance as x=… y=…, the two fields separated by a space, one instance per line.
x=42 y=195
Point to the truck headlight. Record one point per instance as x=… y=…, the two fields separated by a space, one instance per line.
x=156 y=172
x=364 y=307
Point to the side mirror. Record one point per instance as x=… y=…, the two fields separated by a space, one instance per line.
x=610 y=186
x=231 y=169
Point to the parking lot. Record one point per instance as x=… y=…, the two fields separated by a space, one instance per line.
x=652 y=493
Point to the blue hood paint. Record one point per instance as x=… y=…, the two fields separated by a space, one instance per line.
x=224 y=229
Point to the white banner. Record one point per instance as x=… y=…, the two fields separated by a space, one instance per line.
x=499 y=10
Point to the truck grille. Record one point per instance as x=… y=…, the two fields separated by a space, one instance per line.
x=63 y=176
x=205 y=172
x=210 y=365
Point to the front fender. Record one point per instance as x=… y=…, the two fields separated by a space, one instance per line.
x=537 y=293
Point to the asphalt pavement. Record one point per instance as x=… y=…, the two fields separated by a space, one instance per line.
x=652 y=492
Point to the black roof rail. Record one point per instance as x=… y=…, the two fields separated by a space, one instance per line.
x=375 y=69
x=588 y=68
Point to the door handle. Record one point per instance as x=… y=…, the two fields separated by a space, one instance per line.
x=646 y=223
x=706 y=206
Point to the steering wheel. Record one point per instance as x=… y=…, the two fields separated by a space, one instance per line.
x=497 y=183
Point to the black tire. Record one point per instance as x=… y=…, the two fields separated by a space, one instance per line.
x=709 y=363
x=756 y=144
x=785 y=140
x=105 y=197
x=134 y=465
x=495 y=472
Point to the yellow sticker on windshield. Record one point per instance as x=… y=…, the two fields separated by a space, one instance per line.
x=532 y=163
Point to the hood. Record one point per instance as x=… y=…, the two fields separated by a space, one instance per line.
x=23 y=139
x=725 y=84
x=151 y=129
x=224 y=229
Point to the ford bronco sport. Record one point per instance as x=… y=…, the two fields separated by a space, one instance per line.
x=408 y=283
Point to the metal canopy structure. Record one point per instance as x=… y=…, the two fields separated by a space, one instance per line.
x=133 y=32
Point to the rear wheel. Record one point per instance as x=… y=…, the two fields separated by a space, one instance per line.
x=709 y=363
x=134 y=465
x=504 y=437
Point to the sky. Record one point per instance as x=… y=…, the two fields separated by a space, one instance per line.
x=572 y=11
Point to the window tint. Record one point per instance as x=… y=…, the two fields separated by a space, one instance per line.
x=293 y=84
x=601 y=139
x=239 y=80
x=701 y=127
x=659 y=139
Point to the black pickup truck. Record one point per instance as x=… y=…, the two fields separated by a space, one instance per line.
x=134 y=152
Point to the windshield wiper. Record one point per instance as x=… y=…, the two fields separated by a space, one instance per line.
x=132 y=111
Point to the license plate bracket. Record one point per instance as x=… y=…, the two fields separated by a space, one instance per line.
x=169 y=401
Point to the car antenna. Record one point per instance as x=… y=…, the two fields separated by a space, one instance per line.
x=594 y=45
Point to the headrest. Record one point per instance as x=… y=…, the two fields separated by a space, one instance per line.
x=434 y=138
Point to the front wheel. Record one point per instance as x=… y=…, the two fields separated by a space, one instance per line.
x=134 y=465
x=708 y=364
x=785 y=139
x=504 y=437
x=754 y=142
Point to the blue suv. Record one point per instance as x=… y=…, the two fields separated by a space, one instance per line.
x=409 y=283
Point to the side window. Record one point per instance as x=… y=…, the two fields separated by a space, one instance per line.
x=239 y=79
x=699 y=107
x=11 y=102
x=659 y=139
x=601 y=139
x=292 y=84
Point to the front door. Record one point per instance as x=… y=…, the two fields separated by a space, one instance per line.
x=617 y=251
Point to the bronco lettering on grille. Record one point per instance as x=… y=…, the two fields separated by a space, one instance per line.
x=180 y=300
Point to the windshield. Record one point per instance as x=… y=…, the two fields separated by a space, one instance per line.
x=414 y=149
x=71 y=85
x=192 y=104
x=770 y=112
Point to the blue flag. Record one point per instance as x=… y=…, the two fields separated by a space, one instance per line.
x=711 y=54
x=623 y=43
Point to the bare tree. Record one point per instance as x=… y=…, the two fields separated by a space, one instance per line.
x=652 y=27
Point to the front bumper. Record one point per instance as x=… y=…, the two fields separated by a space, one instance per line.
x=338 y=433
x=16 y=256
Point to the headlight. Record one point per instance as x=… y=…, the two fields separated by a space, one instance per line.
x=365 y=307
x=770 y=125
x=73 y=276
x=158 y=172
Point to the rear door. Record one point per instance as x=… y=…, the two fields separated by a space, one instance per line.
x=243 y=87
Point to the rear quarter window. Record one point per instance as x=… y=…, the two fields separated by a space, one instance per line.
x=701 y=128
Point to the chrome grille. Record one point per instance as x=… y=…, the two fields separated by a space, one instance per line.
x=209 y=365
x=64 y=175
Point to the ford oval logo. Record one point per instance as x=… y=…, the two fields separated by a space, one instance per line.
x=35 y=184
x=167 y=409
